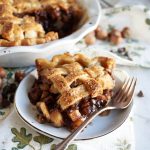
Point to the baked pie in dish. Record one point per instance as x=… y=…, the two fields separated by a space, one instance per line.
x=31 y=22
x=70 y=87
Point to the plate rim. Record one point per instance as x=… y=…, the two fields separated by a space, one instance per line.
x=77 y=139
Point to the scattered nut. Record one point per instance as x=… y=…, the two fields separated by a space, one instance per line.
x=2 y=72
x=115 y=33
x=7 y=91
x=122 y=50
x=19 y=75
x=126 y=33
x=90 y=38
x=115 y=39
x=101 y=34
x=115 y=36
x=140 y=94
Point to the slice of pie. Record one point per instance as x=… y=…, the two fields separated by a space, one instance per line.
x=70 y=87
x=30 y=22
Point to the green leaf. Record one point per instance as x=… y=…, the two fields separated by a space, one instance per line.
x=21 y=137
x=42 y=139
x=53 y=146
x=147 y=21
x=14 y=148
x=2 y=113
x=72 y=147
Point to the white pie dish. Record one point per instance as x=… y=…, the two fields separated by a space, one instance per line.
x=18 y=56
x=100 y=125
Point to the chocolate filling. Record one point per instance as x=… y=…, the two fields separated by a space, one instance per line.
x=86 y=106
x=59 y=20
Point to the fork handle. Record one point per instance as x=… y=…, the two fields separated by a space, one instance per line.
x=66 y=141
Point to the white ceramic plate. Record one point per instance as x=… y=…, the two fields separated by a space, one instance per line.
x=25 y=55
x=99 y=127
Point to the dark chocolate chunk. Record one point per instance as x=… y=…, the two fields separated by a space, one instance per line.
x=140 y=94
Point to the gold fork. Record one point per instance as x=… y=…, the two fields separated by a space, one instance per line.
x=121 y=100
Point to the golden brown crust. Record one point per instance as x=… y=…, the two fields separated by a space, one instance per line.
x=19 y=24
x=71 y=87
x=63 y=70
x=6 y=43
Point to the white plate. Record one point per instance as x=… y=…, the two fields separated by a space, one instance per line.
x=25 y=55
x=99 y=127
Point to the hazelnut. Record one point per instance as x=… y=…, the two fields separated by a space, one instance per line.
x=126 y=33
x=90 y=38
x=115 y=32
x=2 y=72
x=115 y=37
x=101 y=34
x=19 y=75
x=116 y=40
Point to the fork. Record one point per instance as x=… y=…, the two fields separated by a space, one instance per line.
x=121 y=100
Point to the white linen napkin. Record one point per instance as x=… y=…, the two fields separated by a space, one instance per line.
x=120 y=139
